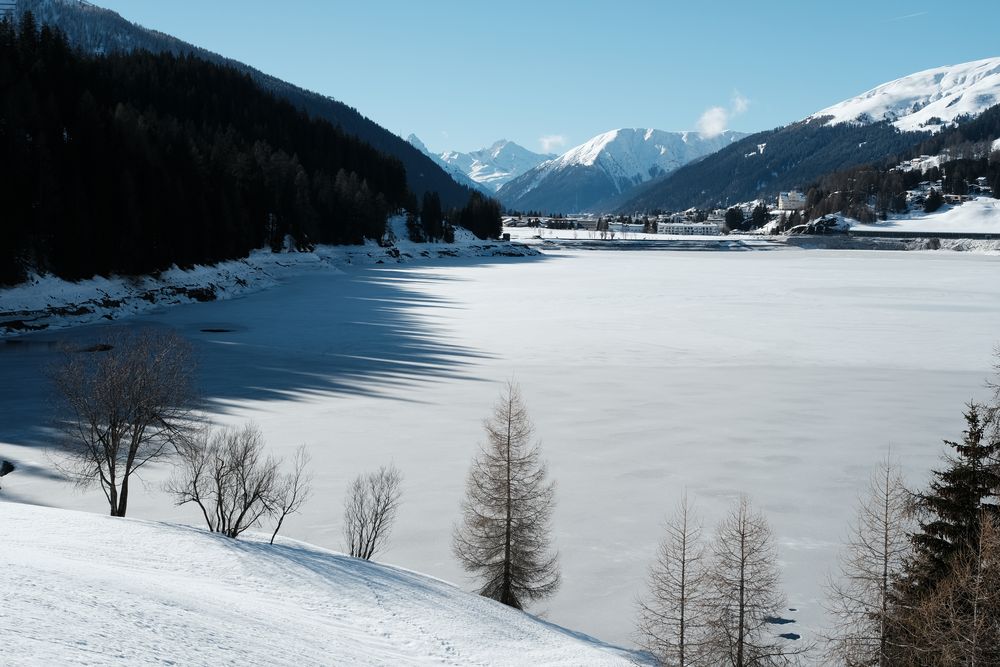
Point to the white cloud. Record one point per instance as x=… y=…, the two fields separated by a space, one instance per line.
x=550 y=142
x=715 y=120
x=740 y=103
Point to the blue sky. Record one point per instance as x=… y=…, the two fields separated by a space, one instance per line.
x=554 y=73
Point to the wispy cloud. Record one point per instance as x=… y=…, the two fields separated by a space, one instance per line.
x=551 y=142
x=715 y=120
x=904 y=17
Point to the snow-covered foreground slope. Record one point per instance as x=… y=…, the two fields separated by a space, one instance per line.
x=86 y=589
x=783 y=374
x=925 y=101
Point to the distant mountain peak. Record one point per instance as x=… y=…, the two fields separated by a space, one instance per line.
x=926 y=101
x=487 y=168
x=606 y=166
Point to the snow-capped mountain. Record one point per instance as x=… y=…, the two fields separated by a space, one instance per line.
x=607 y=166
x=926 y=101
x=489 y=168
x=887 y=120
x=453 y=170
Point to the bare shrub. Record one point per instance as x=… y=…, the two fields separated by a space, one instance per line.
x=370 y=510
x=234 y=484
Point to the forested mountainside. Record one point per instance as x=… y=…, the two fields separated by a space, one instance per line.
x=956 y=158
x=133 y=161
x=765 y=163
x=100 y=31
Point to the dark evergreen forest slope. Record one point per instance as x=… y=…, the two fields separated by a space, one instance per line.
x=131 y=162
x=100 y=31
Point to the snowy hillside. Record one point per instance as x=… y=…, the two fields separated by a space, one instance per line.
x=489 y=168
x=925 y=101
x=606 y=166
x=89 y=589
x=979 y=216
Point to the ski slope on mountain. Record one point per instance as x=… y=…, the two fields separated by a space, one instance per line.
x=926 y=101
x=89 y=589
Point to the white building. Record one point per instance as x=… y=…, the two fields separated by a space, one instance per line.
x=791 y=201
x=689 y=228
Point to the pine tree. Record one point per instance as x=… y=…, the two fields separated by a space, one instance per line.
x=431 y=217
x=952 y=508
x=503 y=538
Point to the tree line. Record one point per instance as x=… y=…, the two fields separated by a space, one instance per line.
x=129 y=163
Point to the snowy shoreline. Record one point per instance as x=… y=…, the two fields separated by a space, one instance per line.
x=45 y=302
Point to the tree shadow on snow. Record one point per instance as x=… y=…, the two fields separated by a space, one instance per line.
x=361 y=333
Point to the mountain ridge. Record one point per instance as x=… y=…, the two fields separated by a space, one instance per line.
x=606 y=166
x=488 y=168
x=886 y=121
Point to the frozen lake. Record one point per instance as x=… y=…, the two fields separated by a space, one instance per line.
x=781 y=374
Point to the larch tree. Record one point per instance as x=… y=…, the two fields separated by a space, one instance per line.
x=745 y=595
x=959 y=622
x=951 y=515
x=503 y=538
x=860 y=599
x=672 y=622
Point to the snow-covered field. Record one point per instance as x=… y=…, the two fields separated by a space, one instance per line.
x=83 y=589
x=782 y=374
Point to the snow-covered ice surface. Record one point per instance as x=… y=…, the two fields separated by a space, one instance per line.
x=784 y=374
x=83 y=589
x=46 y=302
x=978 y=216
x=912 y=102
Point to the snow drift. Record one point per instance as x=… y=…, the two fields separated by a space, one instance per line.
x=88 y=589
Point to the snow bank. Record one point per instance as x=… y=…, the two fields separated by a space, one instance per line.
x=46 y=302
x=88 y=589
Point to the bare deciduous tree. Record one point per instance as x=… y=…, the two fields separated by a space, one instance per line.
x=959 y=622
x=860 y=600
x=235 y=485
x=504 y=534
x=125 y=403
x=745 y=592
x=370 y=510
x=672 y=616
x=293 y=490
